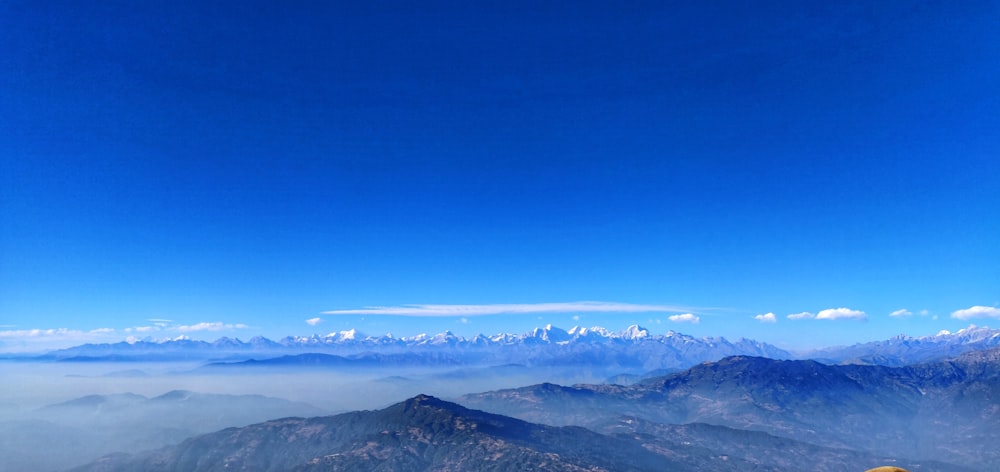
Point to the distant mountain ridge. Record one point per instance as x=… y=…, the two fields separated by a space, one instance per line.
x=633 y=349
x=905 y=350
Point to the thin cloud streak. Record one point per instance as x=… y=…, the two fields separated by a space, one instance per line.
x=212 y=326
x=805 y=315
x=511 y=309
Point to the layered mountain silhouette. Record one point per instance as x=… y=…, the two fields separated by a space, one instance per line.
x=425 y=433
x=927 y=411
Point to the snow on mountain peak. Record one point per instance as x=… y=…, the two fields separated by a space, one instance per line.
x=635 y=332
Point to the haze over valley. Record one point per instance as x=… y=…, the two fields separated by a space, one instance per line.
x=753 y=403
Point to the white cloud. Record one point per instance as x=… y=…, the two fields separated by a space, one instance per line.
x=34 y=340
x=213 y=326
x=314 y=321
x=685 y=318
x=464 y=320
x=841 y=314
x=977 y=311
x=900 y=313
x=805 y=315
x=766 y=318
x=38 y=333
x=524 y=308
x=576 y=317
x=142 y=329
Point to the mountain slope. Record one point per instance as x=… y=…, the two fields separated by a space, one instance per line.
x=945 y=411
x=425 y=433
x=422 y=433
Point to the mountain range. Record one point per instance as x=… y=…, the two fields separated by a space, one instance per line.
x=627 y=355
x=944 y=410
x=904 y=350
x=738 y=413
x=634 y=349
x=428 y=434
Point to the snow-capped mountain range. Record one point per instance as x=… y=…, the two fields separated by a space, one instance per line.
x=903 y=350
x=632 y=349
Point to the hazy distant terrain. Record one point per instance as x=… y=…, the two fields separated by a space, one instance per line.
x=756 y=412
x=68 y=433
x=943 y=411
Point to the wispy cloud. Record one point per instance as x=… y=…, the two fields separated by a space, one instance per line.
x=805 y=315
x=32 y=340
x=685 y=318
x=142 y=329
x=512 y=309
x=977 y=311
x=766 y=318
x=40 y=339
x=51 y=333
x=902 y=312
x=213 y=326
x=314 y=321
x=841 y=314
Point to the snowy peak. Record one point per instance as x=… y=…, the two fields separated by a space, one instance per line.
x=904 y=350
x=549 y=334
x=635 y=332
x=344 y=336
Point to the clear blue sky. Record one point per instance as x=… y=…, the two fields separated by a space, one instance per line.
x=251 y=165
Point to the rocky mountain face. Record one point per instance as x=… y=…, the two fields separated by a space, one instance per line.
x=428 y=434
x=943 y=411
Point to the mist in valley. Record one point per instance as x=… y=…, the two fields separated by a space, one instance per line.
x=55 y=415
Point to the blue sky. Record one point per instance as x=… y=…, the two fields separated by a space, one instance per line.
x=239 y=168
